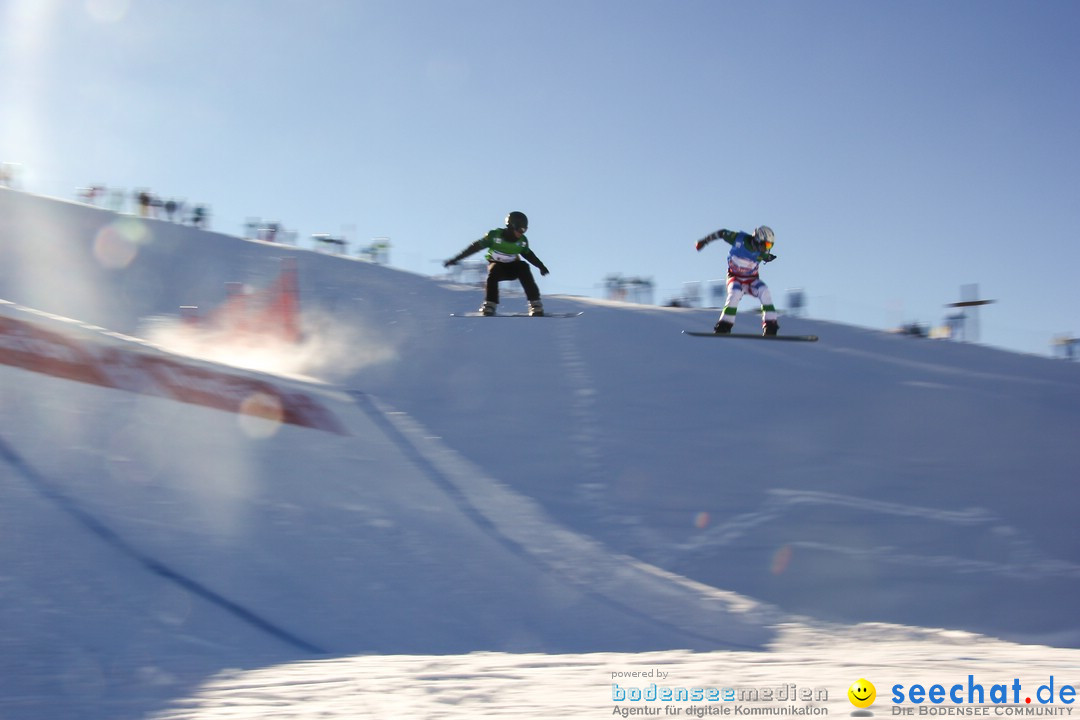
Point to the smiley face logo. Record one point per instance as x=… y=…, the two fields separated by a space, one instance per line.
x=862 y=693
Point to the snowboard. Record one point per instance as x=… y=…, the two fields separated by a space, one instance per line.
x=506 y=315
x=794 y=338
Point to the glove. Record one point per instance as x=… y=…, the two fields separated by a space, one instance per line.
x=448 y=263
x=768 y=257
x=700 y=244
x=543 y=269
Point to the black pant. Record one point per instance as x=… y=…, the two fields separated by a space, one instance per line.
x=517 y=270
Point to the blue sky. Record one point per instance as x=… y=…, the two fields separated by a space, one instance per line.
x=899 y=150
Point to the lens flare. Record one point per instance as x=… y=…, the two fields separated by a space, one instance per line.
x=260 y=415
x=781 y=560
x=117 y=244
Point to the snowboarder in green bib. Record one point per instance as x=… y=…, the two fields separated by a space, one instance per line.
x=505 y=249
x=747 y=253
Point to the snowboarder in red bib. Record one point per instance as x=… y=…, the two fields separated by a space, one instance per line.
x=505 y=249
x=747 y=253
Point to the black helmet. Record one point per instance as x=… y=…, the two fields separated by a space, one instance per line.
x=517 y=221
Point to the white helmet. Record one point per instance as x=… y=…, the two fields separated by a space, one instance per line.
x=764 y=234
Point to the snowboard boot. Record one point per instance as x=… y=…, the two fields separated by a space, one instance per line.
x=487 y=309
x=770 y=327
x=536 y=308
x=722 y=328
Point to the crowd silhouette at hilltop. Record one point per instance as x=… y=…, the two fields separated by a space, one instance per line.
x=146 y=204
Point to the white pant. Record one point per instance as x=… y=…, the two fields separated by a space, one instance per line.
x=756 y=288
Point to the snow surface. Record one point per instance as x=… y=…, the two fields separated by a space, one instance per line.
x=520 y=508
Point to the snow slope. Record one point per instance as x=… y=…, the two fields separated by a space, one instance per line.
x=598 y=485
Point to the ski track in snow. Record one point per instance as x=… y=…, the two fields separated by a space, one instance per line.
x=783 y=504
x=586 y=432
x=690 y=609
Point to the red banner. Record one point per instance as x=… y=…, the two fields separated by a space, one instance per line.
x=143 y=370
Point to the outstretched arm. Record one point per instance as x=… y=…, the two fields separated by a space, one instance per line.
x=727 y=236
x=475 y=247
x=531 y=257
